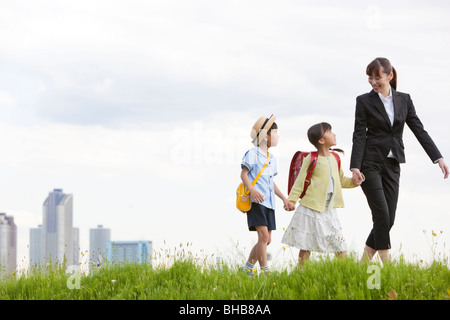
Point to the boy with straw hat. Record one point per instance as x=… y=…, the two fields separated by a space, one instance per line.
x=261 y=216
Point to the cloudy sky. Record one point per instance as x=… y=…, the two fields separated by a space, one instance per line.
x=142 y=110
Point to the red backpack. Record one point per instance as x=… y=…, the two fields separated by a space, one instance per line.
x=296 y=165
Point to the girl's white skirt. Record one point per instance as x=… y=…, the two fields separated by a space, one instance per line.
x=315 y=231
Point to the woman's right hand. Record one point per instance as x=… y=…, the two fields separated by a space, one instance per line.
x=357 y=177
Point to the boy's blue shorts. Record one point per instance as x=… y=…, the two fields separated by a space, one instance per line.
x=260 y=215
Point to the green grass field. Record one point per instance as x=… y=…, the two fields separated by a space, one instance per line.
x=186 y=279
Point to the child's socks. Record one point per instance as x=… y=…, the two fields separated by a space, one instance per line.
x=249 y=268
x=265 y=270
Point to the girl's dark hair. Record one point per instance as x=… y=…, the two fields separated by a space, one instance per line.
x=316 y=132
x=385 y=65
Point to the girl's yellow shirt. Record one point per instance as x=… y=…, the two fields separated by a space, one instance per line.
x=316 y=195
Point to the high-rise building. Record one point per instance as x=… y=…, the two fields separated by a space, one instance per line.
x=128 y=251
x=97 y=243
x=36 y=240
x=36 y=246
x=8 y=243
x=57 y=227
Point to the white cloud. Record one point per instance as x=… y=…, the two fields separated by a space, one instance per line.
x=7 y=100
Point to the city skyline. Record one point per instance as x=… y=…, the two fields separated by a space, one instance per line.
x=57 y=215
x=53 y=239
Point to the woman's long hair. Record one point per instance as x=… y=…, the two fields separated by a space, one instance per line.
x=373 y=69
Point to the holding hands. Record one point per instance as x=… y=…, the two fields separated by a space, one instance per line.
x=358 y=177
x=259 y=198
x=288 y=206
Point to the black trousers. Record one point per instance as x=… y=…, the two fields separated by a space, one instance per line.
x=381 y=187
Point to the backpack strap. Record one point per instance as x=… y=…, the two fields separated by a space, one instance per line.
x=263 y=168
x=338 y=159
x=312 y=165
x=260 y=173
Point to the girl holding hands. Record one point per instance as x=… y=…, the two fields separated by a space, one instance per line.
x=315 y=225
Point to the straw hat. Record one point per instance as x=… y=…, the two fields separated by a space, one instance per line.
x=260 y=129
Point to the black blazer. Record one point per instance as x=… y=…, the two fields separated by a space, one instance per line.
x=374 y=136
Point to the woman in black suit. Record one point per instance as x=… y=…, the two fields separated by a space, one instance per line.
x=378 y=150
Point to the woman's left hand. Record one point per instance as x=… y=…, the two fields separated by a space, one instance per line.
x=444 y=168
